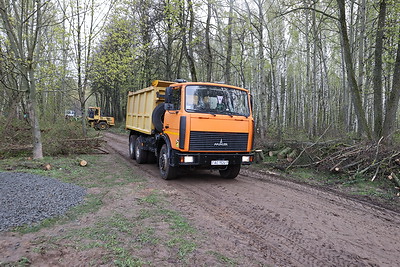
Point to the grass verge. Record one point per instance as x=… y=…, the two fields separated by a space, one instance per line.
x=122 y=222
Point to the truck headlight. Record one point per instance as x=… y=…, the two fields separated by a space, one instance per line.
x=245 y=158
x=188 y=159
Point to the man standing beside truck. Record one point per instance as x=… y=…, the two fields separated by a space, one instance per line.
x=190 y=125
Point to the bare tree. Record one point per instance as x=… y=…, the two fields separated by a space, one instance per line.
x=209 y=57
x=23 y=21
x=228 y=61
x=189 y=47
x=356 y=95
x=393 y=101
x=378 y=101
x=85 y=25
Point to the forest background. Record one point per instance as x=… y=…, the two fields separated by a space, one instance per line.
x=323 y=67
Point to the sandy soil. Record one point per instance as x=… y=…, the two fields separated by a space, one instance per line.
x=265 y=220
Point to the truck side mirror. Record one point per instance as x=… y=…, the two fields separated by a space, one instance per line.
x=169 y=106
x=168 y=95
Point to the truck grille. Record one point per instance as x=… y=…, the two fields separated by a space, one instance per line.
x=211 y=141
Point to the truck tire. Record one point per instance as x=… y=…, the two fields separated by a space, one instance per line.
x=102 y=125
x=231 y=171
x=140 y=153
x=132 y=143
x=167 y=171
x=157 y=117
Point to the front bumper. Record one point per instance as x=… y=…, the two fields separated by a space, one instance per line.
x=206 y=159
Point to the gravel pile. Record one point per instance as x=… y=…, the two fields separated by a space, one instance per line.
x=27 y=198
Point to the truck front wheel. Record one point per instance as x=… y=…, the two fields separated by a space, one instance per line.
x=230 y=172
x=140 y=153
x=102 y=125
x=167 y=171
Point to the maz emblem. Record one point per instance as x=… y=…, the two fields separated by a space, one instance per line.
x=221 y=143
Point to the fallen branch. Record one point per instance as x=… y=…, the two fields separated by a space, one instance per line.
x=301 y=153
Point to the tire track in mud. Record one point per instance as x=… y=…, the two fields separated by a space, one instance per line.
x=350 y=223
x=330 y=195
x=270 y=235
x=276 y=217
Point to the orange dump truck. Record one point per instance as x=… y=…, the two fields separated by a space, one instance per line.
x=191 y=124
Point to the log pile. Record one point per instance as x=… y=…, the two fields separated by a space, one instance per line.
x=289 y=154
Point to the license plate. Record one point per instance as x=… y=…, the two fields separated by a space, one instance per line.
x=219 y=162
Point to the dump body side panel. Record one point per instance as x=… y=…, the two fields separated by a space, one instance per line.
x=140 y=107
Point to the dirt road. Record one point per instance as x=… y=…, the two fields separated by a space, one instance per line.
x=277 y=222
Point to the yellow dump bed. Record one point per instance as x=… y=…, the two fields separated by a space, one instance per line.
x=141 y=104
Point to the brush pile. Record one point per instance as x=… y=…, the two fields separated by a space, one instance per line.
x=59 y=138
x=371 y=160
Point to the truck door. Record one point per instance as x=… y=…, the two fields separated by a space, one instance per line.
x=172 y=119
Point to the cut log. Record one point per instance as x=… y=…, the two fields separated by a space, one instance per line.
x=284 y=152
x=395 y=179
x=273 y=153
x=83 y=162
x=292 y=156
x=47 y=167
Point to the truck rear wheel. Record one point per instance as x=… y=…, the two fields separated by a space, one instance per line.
x=230 y=172
x=132 y=142
x=167 y=171
x=140 y=153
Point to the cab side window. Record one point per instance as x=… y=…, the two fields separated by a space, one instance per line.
x=176 y=98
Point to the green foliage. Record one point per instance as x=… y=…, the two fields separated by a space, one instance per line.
x=16 y=138
x=224 y=259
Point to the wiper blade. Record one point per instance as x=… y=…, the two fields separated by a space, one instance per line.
x=231 y=113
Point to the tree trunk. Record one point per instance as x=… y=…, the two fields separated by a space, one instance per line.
x=208 y=45
x=23 y=33
x=393 y=101
x=79 y=59
x=228 y=61
x=37 y=137
x=358 y=107
x=378 y=102
x=188 y=48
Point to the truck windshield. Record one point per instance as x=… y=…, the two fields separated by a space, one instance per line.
x=217 y=100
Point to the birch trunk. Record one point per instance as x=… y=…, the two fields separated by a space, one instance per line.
x=358 y=107
x=378 y=101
